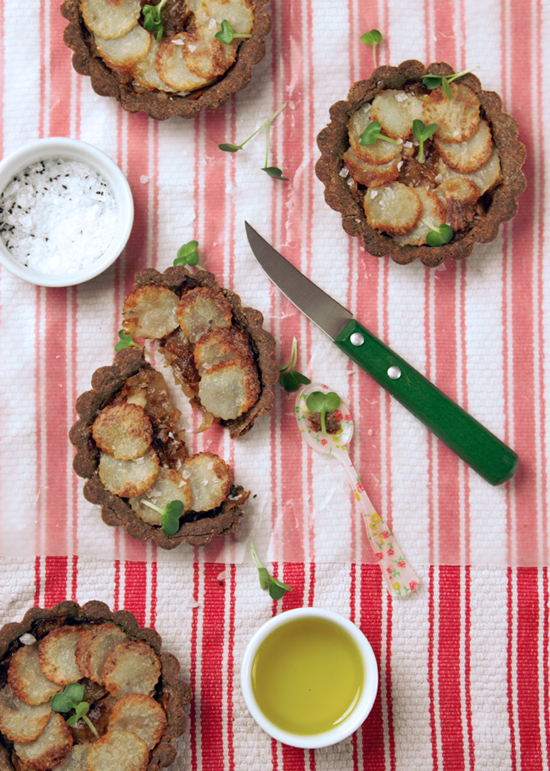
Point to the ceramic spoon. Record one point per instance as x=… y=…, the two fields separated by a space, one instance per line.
x=400 y=578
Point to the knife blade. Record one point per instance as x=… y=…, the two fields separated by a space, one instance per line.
x=470 y=440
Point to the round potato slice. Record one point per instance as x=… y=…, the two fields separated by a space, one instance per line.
x=145 y=71
x=369 y=174
x=238 y=13
x=127 y=50
x=168 y=486
x=220 y=344
x=202 y=309
x=141 y=715
x=123 y=431
x=76 y=759
x=457 y=118
x=110 y=18
x=396 y=110
x=206 y=56
x=131 y=667
x=94 y=646
x=377 y=153
x=229 y=388
x=27 y=680
x=49 y=748
x=56 y=654
x=469 y=155
x=150 y=312
x=459 y=197
x=210 y=479
x=484 y=178
x=433 y=211
x=393 y=209
x=18 y=721
x=118 y=751
x=128 y=478
x=172 y=68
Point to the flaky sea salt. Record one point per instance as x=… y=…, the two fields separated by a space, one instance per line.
x=57 y=216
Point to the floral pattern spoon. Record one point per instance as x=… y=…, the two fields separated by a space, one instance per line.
x=400 y=578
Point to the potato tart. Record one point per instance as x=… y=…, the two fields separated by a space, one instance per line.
x=136 y=700
x=175 y=67
x=390 y=195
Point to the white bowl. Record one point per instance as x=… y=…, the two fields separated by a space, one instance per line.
x=359 y=713
x=71 y=150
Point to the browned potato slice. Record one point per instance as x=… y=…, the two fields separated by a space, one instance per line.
x=76 y=759
x=395 y=110
x=210 y=479
x=229 y=388
x=150 y=312
x=469 y=155
x=145 y=71
x=220 y=344
x=56 y=654
x=131 y=667
x=94 y=646
x=110 y=18
x=127 y=50
x=49 y=748
x=202 y=309
x=457 y=118
x=18 y=721
x=172 y=68
x=205 y=55
x=123 y=431
x=27 y=680
x=393 y=209
x=377 y=153
x=433 y=212
x=128 y=478
x=168 y=486
x=369 y=174
x=460 y=198
x=118 y=751
x=237 y=12
x=484 y=178
x=141 y=715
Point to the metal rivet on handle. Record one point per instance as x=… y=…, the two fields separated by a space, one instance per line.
x=394 y=373
x=357 y=339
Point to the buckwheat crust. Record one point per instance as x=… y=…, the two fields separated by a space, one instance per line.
x=333 y=143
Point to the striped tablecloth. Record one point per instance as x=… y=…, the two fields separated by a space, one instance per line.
x=464 y=662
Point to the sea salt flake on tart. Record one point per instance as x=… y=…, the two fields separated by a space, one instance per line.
x=229 y=388
x=128 y=478
x=457 y=118
x=433 y=211
x=118 y=751
x=56 y=653
x=49 y=748
x=370 y=174
x=168 y=486
x=124 y=51
x=150 y=312
x=141 y=715
x=396 y=110
x=460 y=197
x=210 y=479
x=20 y=722
x=131 y=667
x=469 y=155
x=26 y=678
x=393 y=209
x=202 y=309
x=123 y=430
x=94 y=646
x=110 y=18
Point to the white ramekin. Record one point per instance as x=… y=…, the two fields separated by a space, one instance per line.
x=358 y=715
x=71 y=150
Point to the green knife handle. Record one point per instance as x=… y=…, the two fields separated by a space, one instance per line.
x=471 y=441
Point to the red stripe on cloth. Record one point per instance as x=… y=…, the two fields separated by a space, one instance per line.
x=154 y=587
x=116 y=593
x=431 y=668
x=37 y=582
x=135 y=590
x=231 y=666
x=511 y=646
x=59 y=73
x=545 y=660
x=467 y=665
x=74 y=578
x=193 y=711
x=55 y=580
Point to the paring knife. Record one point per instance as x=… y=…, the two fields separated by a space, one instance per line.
x=471 y=441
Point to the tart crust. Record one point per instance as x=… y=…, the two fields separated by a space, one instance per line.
x=501 y=203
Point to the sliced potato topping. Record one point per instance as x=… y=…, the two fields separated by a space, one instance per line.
x=110 y=18
x=123 y=431
x=18 y=721
x=76 y=759
x=168 y=486
x=205 y=56
x=150 y=312
x=118 y=751
x=94 y=646
x=369 y=174
x=172 y=68
x=210 y=479
x=457 y=118
x=433 y=212
x=49 y=748
x=377 y=153
x=141 y=715
x=229 y=388
x=128 y=478
x=460 y=198
x=484 y=178
x=220 y=344
x=56 y=653
x=237 y=12
x=27 y=680
x=469 y=155
x=127 y=50
x=202 y=309
x=395 y=110
x=131 y=667
x=393 y=209
x=149 y=390
x=145 y=71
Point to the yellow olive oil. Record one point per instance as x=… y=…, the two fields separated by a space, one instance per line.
x=307 y=676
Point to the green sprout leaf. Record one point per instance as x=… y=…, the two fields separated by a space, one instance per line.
x=321 y=402
x=434 y=81
x=227 y=34
x=276 y=588
x=170 y=515
x=125 y=341
x=372 y=38
x=272 y=171
x=373 y=132
x=71 y=698
x=187 y=254
x=422 y=133
x=437 y=236
x=291 y=379
x=152 y=19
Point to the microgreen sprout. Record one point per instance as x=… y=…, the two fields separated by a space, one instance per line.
x=227 y=33
x=276 y=588
x=372 y=38
x=170 y=515
x=187 y=254
x=272 y=171
x=69 y=699
x=422 y=133
x=373 y=132
x=127 y=341
x=434 y=81
x=437 y=236
x=321 y=402
x=291 y=379
x=152 y=19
